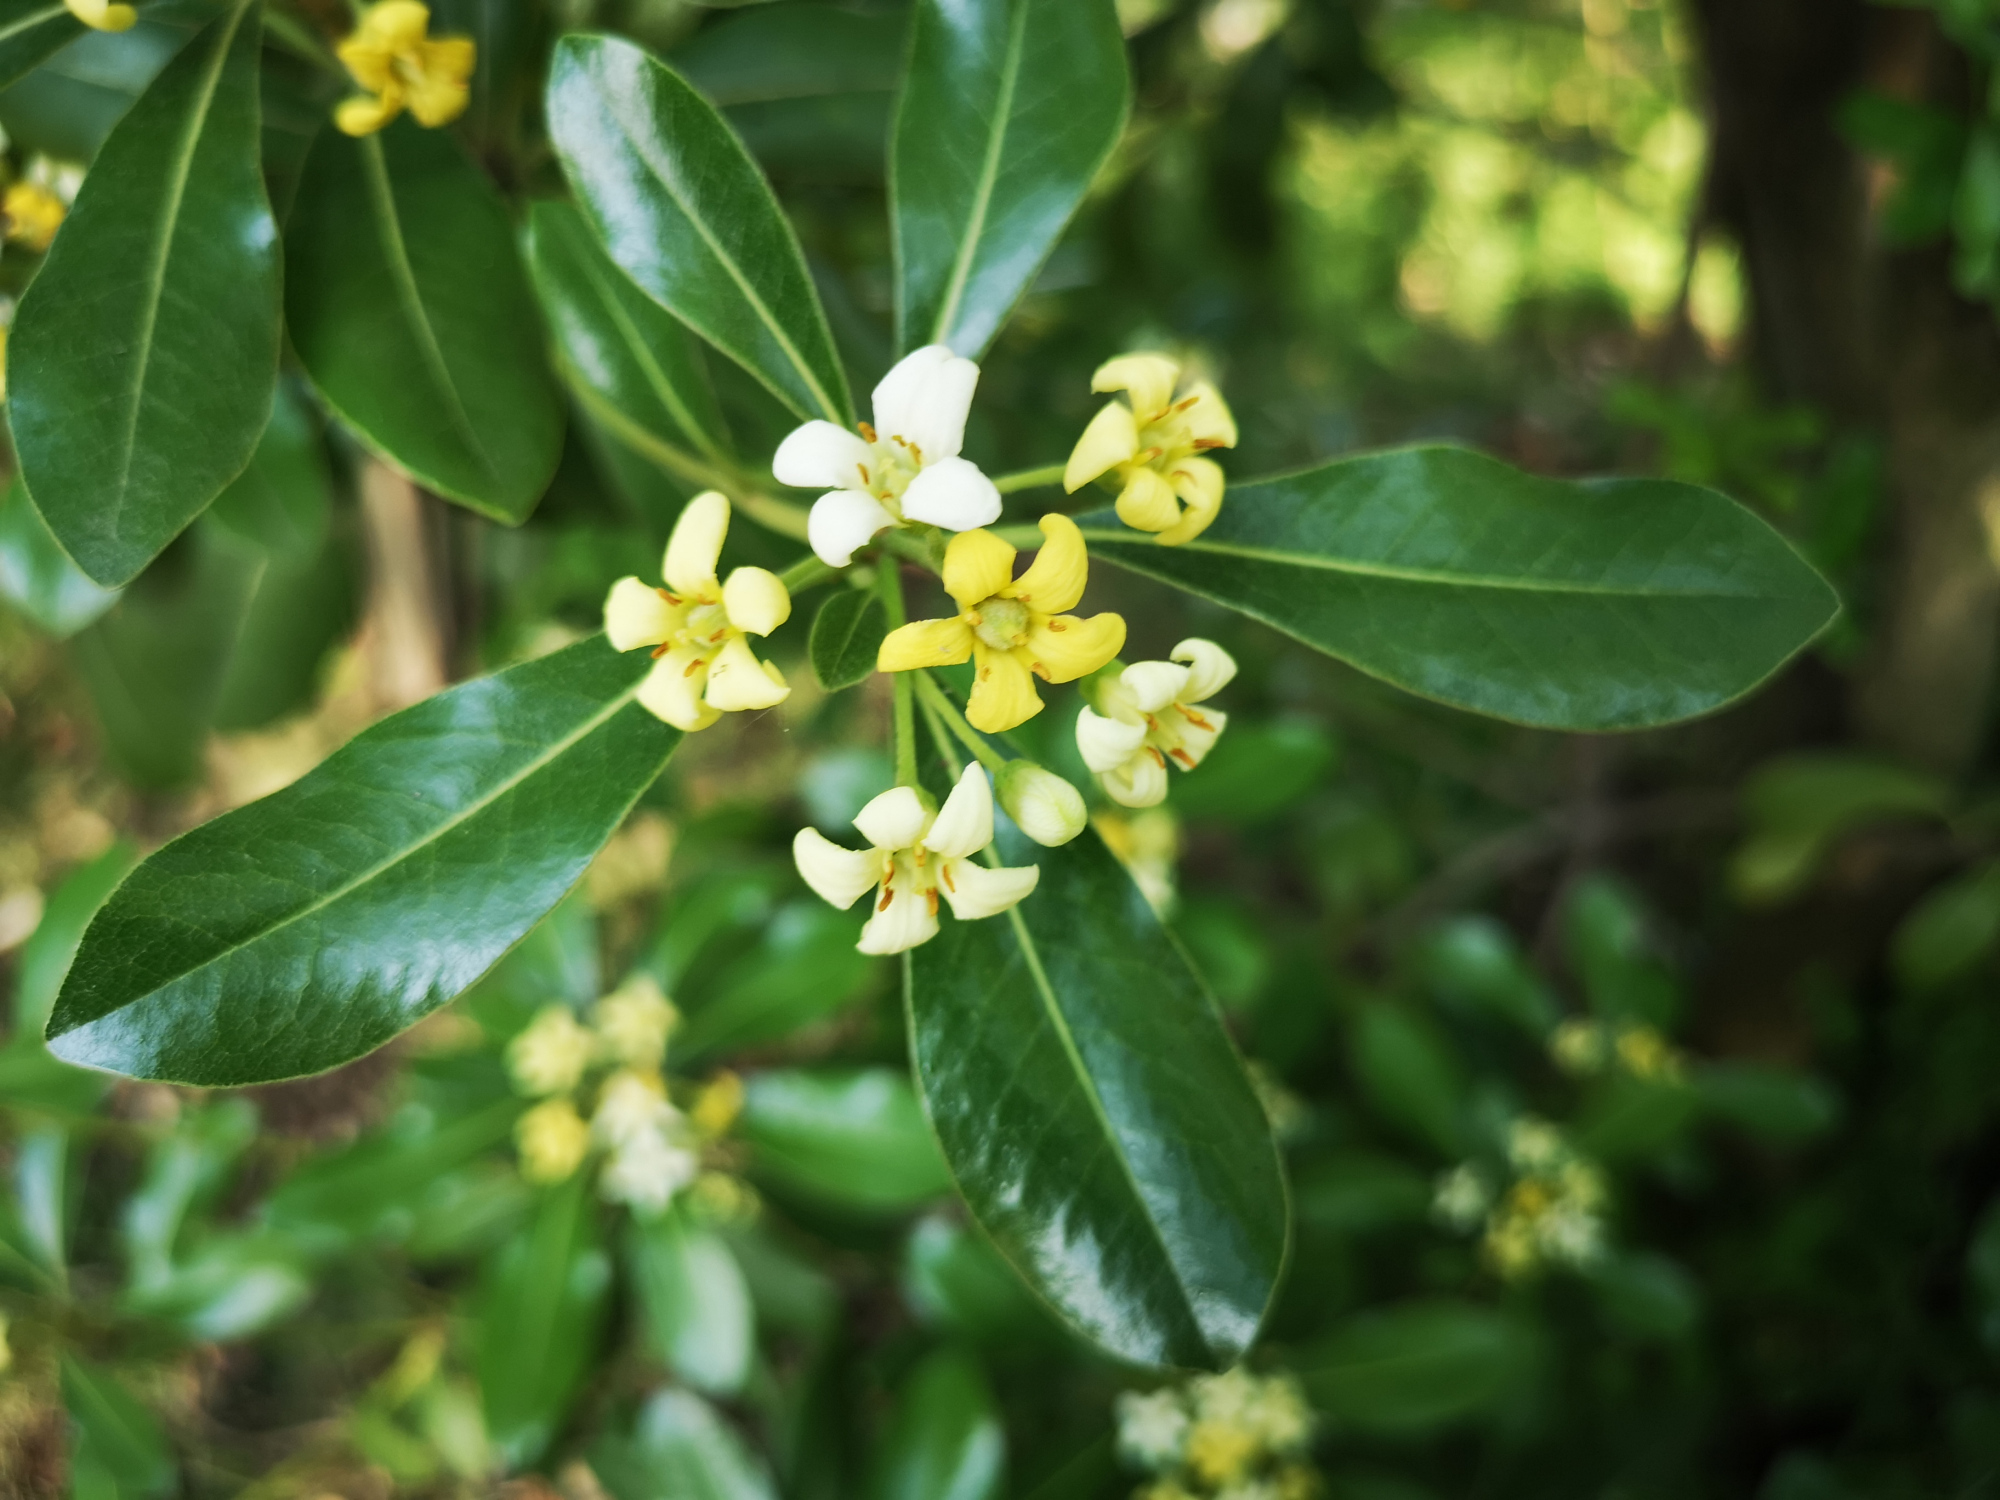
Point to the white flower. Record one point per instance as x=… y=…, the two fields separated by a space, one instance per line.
x=1044 y=805
x=705 y=667
x=904 y=468
x=1144 y=718
x=550 y=1056
x=1152 y=1428
x=916 y=854
x=631 y=1103
x=1462 y=1197
x=647 y=1170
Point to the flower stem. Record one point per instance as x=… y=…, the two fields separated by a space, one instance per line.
x=941 y=736
x=937 y=703
x=909 y=546
x=807 y=573
x=1029 y=479
x=772 y=514
x=889 y=583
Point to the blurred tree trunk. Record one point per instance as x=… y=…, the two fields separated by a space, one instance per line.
x=1869 y=335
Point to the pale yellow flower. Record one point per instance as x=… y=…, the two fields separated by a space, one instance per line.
x=550 y=1056
x=718 y=1104
x=635 y=1020
x=553 y=1141
x=33 y=214
x=1156 y=445
x=102 y=15
x=393 y=57
x=1014 y=629
x=1145 y=717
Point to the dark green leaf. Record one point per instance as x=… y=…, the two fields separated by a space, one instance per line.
x=681 y=207
x=1009 y=109
x=697 y=1307
x=308 y=928
x=1605 y=932
x=1646 y=1295
x=1357 y=1191
x=1950 y=930
x=184 y=1169
x=1417 y=1366
x=805 y=971
x=1597 y=604
x=1255 y=772
x=946 y=1442
x=234 y=1285
x=1096 y=1116
x=1779 y=1104
x=855 y=1138
x=31 y=30
x=631 y=364
x=143 y=360
x=37 y=576
x=406 y=301
x=1799 y=805
x=119 y=1442
x=679 y=1450
x=953 y=1277
x=541 y=1312
x=1409 y=1074
x=1982 y=1270
x=41 y=1193
x=846 y=634
x=29 y=1077
x=70 y=104
x=1474 y=962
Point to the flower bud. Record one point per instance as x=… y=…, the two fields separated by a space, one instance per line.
x=1048 y=809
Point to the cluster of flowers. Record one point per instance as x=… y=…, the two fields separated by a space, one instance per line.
x=32 y=208
x=1584 y=1048
x=652 y=1151
x=1234 y=1436
x=1549 y=1212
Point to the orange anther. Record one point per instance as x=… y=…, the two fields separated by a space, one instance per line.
x=868 y=432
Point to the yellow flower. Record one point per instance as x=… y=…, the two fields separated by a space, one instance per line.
x=401 y=67
x=553 y=1141
x=101 y=15
x=1014 y=629
x=1647 y=1054
x=1218 y=1451
x=34 y=214
x=1155 y=445
x=635 y=1020
x=705 y=667
x=718 y=1104
x=551 y=1055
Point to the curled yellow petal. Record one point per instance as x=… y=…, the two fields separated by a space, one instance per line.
x=365 y=114
x=1147 y=501
x=1067 y=647
x=100 y=16
x=1054 y=580
x=1199 y=482
x=1003 y=692
x=1209 y=420
x=438 y=101
x=1147 y=379
x=924 y=643
x=689 y=564
x=977 y=565
x=756 y=600
x=1112 y=438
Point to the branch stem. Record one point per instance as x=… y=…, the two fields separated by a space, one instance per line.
x=1029 y=479
x=937 y=702
x=889 y=584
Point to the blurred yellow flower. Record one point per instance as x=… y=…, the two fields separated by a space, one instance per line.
x=718 y=1104
x=1156 y=446
x=401 y=66
x=635 y=1020
x=101 y=15
x=33 y=213
x=551 y=1055
x=553 y=1140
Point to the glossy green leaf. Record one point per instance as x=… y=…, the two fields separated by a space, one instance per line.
x=1595 y=604
x=1096 y=1115
x=679 y=1450
x=541 y=1309
x=69 y=105
x=37 y=576
x=946 y=1441
x=1417 y=1366
x=696 y=1304
x=120 y=1450
x=31 y=30
x=846 y=633
x=306 y=929
x=1009 y=109
x=141 y=366
x=406 y=301
x=681 y=207
x=629 y=361
x=854 y=1138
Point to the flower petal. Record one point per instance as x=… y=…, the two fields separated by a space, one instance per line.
x=635 y=615
x=1112 y=438
x=1054 y=581
x=843 y=520
x=1003 y=692
x=1209 y=420
x=1140 y=782
x=1147 y=502
x=977 y=565
x=672 y=690
x=894 y=820
x=965 y=823
x=1067 y=647
x=952 y=493
x=738 y=681
x=902 y=922
x=925 y=643
x=365 y=114
x=696 y=542
x=840 y=877
x=975 y=891
x=1106 y=744
x=1210 y=668
x=924 y=400
x=1200 y=729
x=1154 y=684
x=822 y=456
x=1147 y=379
x=756 y=600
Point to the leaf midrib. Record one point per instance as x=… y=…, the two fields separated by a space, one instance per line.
x=339 y=893
x=31 y=20
x=1322 y=563
x=989 y=174
x=154 y=286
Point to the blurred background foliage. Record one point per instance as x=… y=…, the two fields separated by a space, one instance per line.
x=1637 y=1093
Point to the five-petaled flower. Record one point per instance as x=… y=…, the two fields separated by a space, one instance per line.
x=1014 y=629
x=1144 y=718
x=705 y=667
x=1156 y=445
x=904 y=468
x=916 y=855
x=102 y=15
x=392 y=56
